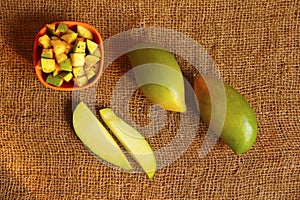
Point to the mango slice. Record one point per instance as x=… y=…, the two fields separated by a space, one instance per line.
x=240 y=125
x=94 y=136
x=159 y=75
x=132 y=140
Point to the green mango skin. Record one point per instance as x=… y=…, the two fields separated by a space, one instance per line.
x=240 y=125
x=167 y=88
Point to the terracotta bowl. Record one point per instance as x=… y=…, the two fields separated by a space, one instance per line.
x=37 y=50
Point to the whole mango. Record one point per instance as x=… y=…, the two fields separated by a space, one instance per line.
x=159 y=76
x=240 y=126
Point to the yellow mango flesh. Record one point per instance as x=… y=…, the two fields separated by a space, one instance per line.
x=132 y=140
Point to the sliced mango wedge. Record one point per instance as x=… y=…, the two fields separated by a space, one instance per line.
x=95 y=136
x=132 y=140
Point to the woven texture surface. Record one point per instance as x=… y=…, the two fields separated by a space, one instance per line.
x=255 y=45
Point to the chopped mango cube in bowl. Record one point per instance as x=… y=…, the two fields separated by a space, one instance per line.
x=68 y=55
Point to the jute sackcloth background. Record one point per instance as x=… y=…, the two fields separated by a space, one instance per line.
x=255 y=45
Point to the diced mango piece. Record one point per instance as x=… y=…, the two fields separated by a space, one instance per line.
x=66 y=65
x=97 y=53
x=61 y=28
x=77 y=59
x=68 y=47
x=67 y=76
x=59 y=46
x=47 y=53
x=78 y=71
x=44 y=41
x=91 y=46
x=61 y=57
x=57 y=70
x=80 y=81
x=54 y=80
x=69 y=37
x=84 y=32
x=79 y=47
x=48 y=65
x=90 y=72
x=91 y=60
x=51 y=29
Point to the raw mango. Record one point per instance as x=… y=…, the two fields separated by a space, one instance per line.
x=91 y=60
x=47 y=53
x=69 y=53
x=51 y=29
x=240 y=125
x=78 y=71
x=91 y=46
x=61 y=57
x=67 y=76
x=61 y=28
x=59 y=46
x=158 y=75
x=84 y=32
x=90 y=72
x=97 y=53
x=57 y=70
x=79 y=47
x=66 y=65
x=77 y=59
x=44 y=41
x=54 y=80
x=69 y=37
x=48 y=65
x=132 y=140
x=68 y=47
x=95 y=136
x=80 y=81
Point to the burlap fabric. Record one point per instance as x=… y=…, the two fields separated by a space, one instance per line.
x=255 y=45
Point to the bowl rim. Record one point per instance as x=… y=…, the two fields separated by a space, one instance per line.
x=39 y=72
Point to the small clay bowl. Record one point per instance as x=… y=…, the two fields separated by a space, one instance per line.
x=37 y=51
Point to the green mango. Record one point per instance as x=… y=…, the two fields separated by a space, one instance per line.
x=159 y=76
x=240 y=126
